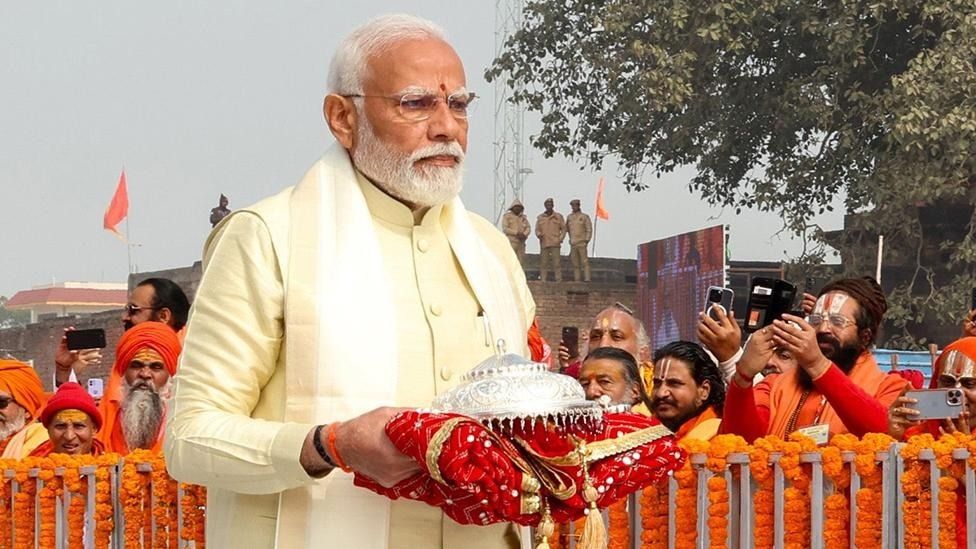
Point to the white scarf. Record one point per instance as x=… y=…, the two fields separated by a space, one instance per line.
x=335 y=283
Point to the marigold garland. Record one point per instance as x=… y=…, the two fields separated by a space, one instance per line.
x=654 y=515
x=619 y=529
x=686 y=522
x=47 y=497
x=867 y=535
x=24 y=506
x=718 y=491
x=836 y=505
x=5 y=514
x=762 y=498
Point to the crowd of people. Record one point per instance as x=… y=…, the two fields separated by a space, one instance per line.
x=366 y=288
x=132 y=411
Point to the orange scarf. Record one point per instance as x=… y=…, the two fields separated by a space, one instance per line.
x=786 y=394
x=702 y=427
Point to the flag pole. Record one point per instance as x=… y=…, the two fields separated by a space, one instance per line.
x=128 y=243
x=596 y=221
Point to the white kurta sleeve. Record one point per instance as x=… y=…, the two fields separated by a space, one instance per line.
x=232 y=346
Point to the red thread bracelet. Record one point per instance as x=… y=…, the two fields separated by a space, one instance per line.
x=332 y=448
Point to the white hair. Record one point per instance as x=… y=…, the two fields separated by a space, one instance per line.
x=348 y=68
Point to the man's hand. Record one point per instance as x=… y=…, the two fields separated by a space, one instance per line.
x=800 y=338
x=755 y=356
x=901 y=415
x=563 y=356
x=808 y=304
x=364 y=446
x=79 y=361
x=957 y=425
x=969 y=325
x=721 y=337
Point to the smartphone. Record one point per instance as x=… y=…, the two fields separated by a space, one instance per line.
x=769 y=298
x=95 y=387
x=85 y=339
x=721 y=296
x=937 y=403
x=972 y=300
x=571 y=340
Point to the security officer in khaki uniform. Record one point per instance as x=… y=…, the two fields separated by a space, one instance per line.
x=550 y=227
x=580 y=232
x=516 y=227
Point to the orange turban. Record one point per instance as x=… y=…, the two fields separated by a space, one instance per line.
x=153 y=335
x=965 y=346
x=21 y=382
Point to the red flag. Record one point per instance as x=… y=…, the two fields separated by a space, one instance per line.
x=601 y=212
x=118 y=208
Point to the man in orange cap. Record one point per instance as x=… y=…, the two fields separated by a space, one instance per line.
x=133 y=407
x=21 y=399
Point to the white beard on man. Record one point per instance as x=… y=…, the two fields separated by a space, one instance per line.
x=395 y=172
x=12 y=423
x=143 y=413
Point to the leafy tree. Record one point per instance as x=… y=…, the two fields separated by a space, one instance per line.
x=781 y=105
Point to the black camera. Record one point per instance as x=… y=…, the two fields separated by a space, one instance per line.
x=769 y=298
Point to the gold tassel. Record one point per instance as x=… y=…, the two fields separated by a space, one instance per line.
x=594 y=534
x=545 y=529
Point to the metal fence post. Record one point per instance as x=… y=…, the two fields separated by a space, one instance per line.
x=816 y=498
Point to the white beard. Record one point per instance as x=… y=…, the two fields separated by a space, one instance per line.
x=394 y=171
x=13 y=425
x=143 y=411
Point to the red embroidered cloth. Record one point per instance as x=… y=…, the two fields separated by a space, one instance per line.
x=482 y=477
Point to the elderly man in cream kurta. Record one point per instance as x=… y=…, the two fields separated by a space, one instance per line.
x=365 y=286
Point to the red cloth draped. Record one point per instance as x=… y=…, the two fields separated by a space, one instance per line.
x=483 y=471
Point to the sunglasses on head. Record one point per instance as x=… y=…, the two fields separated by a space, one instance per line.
x=5 y=401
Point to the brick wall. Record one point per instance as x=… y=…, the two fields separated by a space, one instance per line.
x=561 y=304
x=39 y=342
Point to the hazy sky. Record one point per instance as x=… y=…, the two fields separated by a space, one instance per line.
x=201 y=98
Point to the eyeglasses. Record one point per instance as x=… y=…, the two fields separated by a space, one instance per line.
x=836 y=321
x=133 y=309
x=421 y=106
x=5 y=401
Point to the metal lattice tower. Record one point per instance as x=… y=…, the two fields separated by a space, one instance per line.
x=510 y=167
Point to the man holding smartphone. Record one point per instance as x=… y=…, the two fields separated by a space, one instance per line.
x=837 y=386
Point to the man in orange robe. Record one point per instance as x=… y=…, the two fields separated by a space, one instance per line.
x=837 y=386
x=21 y=399
x=134 y=408
x=689 y=391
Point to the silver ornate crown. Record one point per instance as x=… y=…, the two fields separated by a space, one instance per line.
x=507 y=388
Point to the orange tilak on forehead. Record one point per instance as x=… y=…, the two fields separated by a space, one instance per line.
x=606 y=322
x=71 y=415
x=147 y=355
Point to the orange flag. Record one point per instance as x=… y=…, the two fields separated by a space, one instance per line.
x=601 y=212
x=118 y=208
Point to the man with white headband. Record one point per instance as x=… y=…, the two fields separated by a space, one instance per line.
x=837 y=386
x=325 y=309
